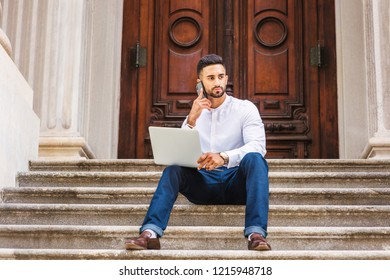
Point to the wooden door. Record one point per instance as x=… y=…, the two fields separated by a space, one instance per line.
x=269 y=47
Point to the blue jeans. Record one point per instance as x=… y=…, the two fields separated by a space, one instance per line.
x=246 y=184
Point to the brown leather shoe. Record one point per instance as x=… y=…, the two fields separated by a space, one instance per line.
x=143 y=242
x=258 y=243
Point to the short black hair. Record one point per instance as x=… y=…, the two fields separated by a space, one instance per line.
x=207 y=60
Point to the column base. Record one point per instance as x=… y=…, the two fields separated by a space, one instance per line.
x=64 y=148
x=377 y=148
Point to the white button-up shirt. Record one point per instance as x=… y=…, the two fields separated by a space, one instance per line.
x=235 y=127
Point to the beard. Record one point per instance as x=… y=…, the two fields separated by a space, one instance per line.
x=217 y=93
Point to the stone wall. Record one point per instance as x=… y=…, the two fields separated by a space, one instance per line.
x=19 y=125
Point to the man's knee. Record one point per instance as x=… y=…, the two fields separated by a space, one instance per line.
x=253 y=157
x=254 y=160
x=172 y=169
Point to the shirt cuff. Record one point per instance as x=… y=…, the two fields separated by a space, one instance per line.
x=233 y=159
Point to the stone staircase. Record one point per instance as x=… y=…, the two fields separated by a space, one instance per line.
x=319 y=209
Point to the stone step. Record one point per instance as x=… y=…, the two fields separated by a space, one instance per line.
x=88 y=179
x=282 y=165
x=193 y=215
x=97 y=165
x=150 y=179
x=77 y=254
x=194 y=238
x=139 y=195
x=84 y=209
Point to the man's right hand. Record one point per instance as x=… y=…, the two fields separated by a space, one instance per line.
x=198 y=105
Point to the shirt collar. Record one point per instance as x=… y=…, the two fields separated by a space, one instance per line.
x=227 y=100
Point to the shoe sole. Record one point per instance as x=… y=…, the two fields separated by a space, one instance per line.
x=260 y=247
x=152 y=245
x=130 y=246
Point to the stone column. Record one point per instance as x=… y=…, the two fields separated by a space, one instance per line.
x=62 y=81
x=377 y=18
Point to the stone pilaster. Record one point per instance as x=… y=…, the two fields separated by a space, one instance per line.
x=377 y=17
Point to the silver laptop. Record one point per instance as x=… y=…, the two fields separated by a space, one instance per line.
x=175 y=146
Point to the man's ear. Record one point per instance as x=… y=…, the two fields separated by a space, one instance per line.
x=197 y=80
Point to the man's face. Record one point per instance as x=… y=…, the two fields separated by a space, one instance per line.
x=214 y=79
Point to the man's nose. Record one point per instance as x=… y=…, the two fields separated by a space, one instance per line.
x=217 y=83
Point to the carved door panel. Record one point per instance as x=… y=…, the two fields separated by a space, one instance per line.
x=181 y=39
x=266 y=46
x=284 y=83
x=275 y=66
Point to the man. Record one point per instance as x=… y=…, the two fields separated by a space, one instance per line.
x=232 y=169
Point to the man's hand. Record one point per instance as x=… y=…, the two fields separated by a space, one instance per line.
x=198 y=105
x=210 y=161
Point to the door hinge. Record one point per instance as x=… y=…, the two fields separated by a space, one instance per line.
x=317 y=56
x=139 y=56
